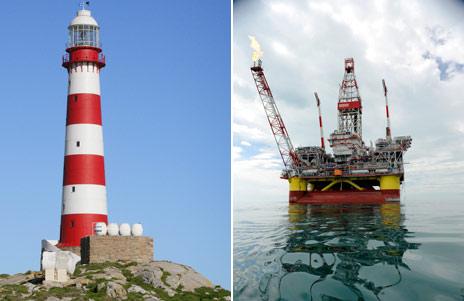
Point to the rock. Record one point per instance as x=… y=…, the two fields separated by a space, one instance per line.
x=30 y=287
x=182 y=275
x=114 y=273
x=170 y=276
x=115 y=290
x=110 y=273
x=50 y=284
x=153 y=276
x=136 y=289
x=110 y=280
x=80 y=282
x=18 y=278
x=101 y=286
x=52 y=299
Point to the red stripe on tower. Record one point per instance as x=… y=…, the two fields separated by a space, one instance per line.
x=84 y=108
x=84 y=169
x=84 y=190
x=76 y=226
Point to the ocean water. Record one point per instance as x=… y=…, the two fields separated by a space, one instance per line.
x=413 y=250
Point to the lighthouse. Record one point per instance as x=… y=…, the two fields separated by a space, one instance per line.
x=84 y=191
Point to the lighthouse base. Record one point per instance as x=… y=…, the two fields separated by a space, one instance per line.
x=75 y=226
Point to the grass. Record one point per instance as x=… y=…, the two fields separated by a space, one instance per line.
x=18 y=288
x=87 y=269
x=164 y=277
x=4 y=275
x=200 y=294
x=95 y=294
x=135 y=297
x=58 y=292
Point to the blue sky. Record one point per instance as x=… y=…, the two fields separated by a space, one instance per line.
x=166 y=122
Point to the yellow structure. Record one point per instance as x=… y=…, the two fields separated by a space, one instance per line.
x=298 y=184
x=389 y=182
x=342 y=181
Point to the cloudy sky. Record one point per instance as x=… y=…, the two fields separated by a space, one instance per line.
x=417 y=46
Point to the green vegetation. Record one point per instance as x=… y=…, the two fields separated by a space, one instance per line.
x=4 y=275
x=59 y=292
x=95 y=293
x=165 y=276
x=135 y=297
x=14 y=288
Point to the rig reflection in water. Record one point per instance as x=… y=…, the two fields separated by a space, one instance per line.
x=340 y=253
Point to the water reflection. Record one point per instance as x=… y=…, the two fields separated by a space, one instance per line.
x=339 y=253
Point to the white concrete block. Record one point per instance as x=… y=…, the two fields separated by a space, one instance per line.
x=62 y=275
x=49 y=274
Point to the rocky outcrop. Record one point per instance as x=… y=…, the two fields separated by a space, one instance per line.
x=155 y=280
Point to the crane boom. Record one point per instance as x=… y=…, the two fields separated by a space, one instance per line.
x=385 y=91
x=287 y=152
x=318 y=102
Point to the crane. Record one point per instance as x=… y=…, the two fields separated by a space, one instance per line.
x=287 y=152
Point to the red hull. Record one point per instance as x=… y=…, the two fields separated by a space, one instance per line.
x=344 y=197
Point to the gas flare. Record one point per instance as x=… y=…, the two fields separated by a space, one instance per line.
x=257 y=52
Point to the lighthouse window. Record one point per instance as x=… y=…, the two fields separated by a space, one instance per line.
x=75 y=98
x=78 y=143
x=73 y=189
x=83 y=35
x=72 y=224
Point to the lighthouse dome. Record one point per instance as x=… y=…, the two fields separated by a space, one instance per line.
x=83 y=31
x=83 y=17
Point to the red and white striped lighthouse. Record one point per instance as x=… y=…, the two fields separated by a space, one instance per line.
x=84 y=190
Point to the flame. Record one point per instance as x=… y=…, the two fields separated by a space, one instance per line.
x=257 y=52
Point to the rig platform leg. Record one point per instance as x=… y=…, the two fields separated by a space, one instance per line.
x=390 y=187
x=298 y=188
x=389 y=182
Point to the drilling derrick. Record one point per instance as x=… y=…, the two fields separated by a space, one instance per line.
x=278 y=128
x=349 y=102
x=346 y=141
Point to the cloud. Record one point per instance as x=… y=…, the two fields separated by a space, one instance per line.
x=416 y=46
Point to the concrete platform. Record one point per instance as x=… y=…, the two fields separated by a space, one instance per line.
x=97 y=249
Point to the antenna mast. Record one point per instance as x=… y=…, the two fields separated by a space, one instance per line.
x=320 y=120
x=389 y=138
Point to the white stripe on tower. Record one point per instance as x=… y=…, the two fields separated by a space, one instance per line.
x=84 y=79
x=84 y=139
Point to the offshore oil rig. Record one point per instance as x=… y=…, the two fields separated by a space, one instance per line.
x=354 y=172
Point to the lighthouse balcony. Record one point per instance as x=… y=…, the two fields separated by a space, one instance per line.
x=84 y=56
